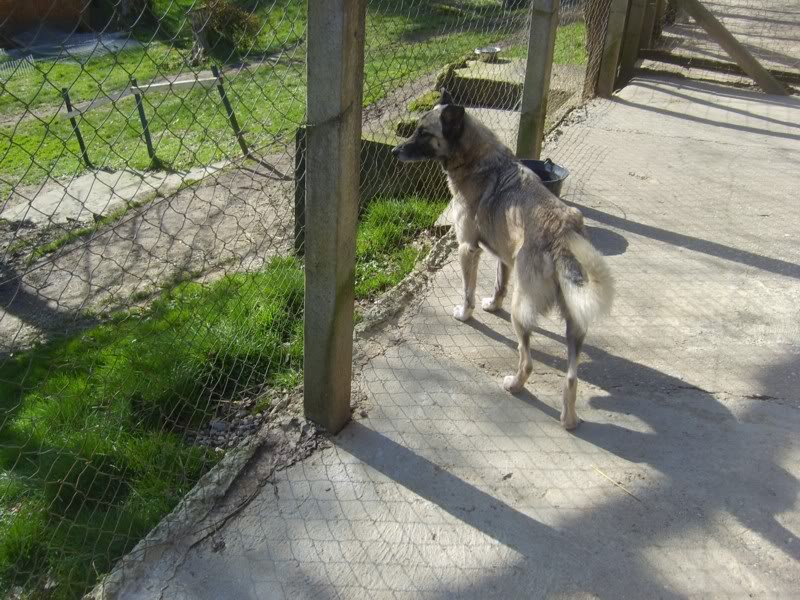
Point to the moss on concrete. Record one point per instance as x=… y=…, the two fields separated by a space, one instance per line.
x=425 y=102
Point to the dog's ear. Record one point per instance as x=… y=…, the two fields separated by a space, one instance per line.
x=452 y=118
x=446 y=98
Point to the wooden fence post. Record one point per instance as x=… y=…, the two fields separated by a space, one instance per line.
x=630 y=41
x=595 y=15
x=609 y=64
x=661 y=13
x=300 y=191
x=648 y=24
x=335 y=81
x=533 y=110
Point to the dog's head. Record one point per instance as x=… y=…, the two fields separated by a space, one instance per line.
x=437 y=134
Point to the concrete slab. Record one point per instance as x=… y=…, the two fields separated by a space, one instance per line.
x=240 y=216
x=499 y=85
x=682 y=481
x=93 y=195
x=513 y=71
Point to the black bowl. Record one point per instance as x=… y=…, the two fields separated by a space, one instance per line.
x=551 y=174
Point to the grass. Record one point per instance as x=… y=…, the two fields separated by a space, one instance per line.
x=570 y=46
x=382 y=247
x=164 y=51
x=98 y=76
x=190 y=126
x=282 y=24
x=91 y=442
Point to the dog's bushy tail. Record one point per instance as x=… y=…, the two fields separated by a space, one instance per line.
x=585 y=280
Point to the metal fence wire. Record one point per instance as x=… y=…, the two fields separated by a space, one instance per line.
x=151 y=236
x=765 y=28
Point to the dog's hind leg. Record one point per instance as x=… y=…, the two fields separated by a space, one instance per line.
x=514 y=383
x=468 y=256
x=575 y=337
x=495 y=302
x=534 y=293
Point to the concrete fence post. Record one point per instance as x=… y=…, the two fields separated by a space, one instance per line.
x=533 y=110
x=333 y=136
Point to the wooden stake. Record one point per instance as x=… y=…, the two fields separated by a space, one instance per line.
x=143 y=118
x=75 y=129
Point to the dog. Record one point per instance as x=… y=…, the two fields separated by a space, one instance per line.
x=504 y=208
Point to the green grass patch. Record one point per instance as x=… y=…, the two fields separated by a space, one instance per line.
x=88 y=81
x=570 y=47
x=91 y=444
x=383 y=249
x=189 y=127
x=164 y=52
x=91 y=441
x=281 y=23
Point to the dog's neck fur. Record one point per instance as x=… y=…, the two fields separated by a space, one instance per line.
x=471 y=160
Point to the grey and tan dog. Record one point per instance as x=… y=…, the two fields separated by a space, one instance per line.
x=503 y=208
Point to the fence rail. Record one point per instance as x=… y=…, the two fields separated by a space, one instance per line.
x=164 y=86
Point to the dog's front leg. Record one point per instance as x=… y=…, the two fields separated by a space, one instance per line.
x=495 y=302
x=468 y=256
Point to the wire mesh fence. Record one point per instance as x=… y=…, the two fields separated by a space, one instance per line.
x=767 y=30
x=151 y=301
x=151 y=236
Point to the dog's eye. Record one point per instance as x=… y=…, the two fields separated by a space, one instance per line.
x=424 y=134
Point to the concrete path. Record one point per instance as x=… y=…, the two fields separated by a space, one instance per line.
x=682 y=479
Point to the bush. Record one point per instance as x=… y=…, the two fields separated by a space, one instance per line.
x=229 y=24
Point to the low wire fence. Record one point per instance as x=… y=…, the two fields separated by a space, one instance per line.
x=152 y=235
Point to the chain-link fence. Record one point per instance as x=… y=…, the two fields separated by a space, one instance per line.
x=151 y=235
x=151 y=300
x=766 y=29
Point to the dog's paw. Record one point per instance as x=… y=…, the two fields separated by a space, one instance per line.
x=570 y=422
x=462 y=313
x=491 y=304
x=512 y=384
